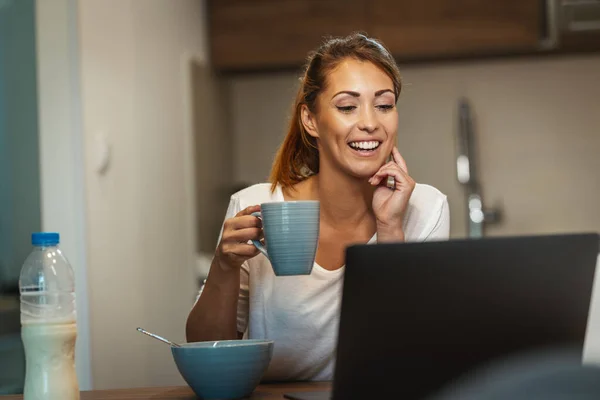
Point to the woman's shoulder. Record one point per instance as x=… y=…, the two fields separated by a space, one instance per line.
x=256 y=194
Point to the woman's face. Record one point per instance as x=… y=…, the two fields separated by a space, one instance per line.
x=355 y=120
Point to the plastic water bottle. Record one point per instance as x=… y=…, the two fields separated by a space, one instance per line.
x=48 y=322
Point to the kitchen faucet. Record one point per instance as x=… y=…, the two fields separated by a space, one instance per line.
x=466 y=173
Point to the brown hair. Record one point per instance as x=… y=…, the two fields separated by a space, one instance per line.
x=298 y=156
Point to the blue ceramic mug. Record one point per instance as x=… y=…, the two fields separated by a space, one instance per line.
x=291 y=230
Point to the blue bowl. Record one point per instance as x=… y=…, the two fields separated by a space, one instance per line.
x=227 y=369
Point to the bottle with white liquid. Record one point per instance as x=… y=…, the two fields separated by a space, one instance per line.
x=48 y=321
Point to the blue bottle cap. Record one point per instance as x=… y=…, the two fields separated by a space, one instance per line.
x=45 y=239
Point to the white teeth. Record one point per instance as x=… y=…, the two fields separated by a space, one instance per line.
x=365 y=145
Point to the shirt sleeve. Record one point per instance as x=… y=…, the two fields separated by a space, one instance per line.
x=243 y=307
x=441 y=229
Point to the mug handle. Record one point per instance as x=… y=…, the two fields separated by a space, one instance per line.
x=257 y=243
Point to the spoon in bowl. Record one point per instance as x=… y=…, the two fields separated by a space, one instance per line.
x=162 y=339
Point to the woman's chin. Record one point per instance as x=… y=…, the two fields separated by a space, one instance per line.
x=362 y=171
x=364 y=174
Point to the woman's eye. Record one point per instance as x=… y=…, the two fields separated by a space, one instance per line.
x=385 y=107
x=346 y=109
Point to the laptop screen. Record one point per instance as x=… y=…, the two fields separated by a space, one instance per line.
x=416 y=316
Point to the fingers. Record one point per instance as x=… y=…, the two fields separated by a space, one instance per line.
x=245 y=221
x=399 y=159
x=248 y=210
x=389 y=164
x=243 y=227
x=243 y=235
x=243 y=250
x=394 y=170
x=234 y=248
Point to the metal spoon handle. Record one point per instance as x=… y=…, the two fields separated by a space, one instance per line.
x=162 y=339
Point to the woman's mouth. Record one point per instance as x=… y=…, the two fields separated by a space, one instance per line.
x=365 y=148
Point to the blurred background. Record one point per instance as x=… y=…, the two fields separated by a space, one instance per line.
x=125 y=125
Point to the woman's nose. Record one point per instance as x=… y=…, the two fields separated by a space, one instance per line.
x=368 y=120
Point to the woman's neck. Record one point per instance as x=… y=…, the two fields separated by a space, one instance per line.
x=345 y=201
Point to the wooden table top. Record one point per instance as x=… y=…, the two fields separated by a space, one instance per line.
x=263 y=392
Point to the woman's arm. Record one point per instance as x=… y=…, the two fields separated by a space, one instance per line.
x=214 y=316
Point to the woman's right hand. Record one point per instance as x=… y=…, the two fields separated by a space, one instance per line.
x=234 y=249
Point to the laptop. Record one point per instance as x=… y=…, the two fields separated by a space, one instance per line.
x=417 y=316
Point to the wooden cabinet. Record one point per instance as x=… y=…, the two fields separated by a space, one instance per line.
x=438 y=28
x=256 y=34
x=271 y=34
x=578 y=24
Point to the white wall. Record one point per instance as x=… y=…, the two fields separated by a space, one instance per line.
x=140 y=211
x=537 y=121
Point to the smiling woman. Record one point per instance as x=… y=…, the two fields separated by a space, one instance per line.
x=341 y=135
x=353 y=61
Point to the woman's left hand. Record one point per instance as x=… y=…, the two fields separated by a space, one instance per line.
x=390 y=205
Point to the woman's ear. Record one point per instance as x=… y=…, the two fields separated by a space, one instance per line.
x=308 y=121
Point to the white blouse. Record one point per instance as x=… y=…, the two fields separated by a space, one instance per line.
x=301 y=313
